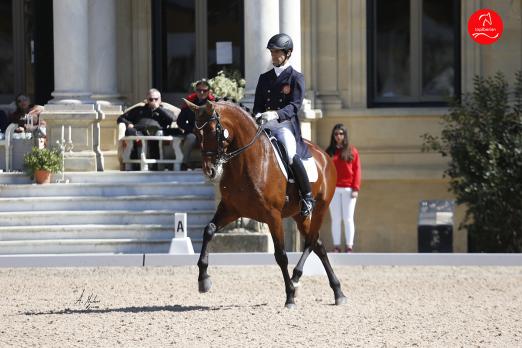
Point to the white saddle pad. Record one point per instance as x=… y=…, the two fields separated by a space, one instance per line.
x=309 y=164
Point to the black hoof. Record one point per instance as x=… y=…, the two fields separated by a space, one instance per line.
x=341 y=300
x=205 y=285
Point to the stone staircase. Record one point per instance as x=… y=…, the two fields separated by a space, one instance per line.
x=102 y=212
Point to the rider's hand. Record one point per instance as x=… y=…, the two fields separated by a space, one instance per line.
x=266 y=117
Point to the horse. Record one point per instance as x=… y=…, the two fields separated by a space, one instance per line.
x=236 y=153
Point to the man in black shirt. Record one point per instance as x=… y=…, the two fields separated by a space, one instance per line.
x=147 y=120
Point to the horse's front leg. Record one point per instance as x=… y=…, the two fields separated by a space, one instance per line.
x=276 y=229
x=221 y=218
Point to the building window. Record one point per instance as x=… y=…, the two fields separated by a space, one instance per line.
x=186 y=37
x=414 y=52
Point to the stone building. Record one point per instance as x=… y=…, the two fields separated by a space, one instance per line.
x=383 y=68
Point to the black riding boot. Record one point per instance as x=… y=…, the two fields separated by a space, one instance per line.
x=301 y=179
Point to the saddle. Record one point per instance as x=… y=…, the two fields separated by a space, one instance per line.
x=282 y=160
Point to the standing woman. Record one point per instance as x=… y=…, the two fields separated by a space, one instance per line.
x=348 y=165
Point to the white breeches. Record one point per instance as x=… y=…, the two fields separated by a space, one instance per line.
x=342 y=207
x=283 y=132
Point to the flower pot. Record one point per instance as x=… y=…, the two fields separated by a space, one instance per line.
x=42 y=177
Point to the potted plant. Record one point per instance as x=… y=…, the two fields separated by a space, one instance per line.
x=40 y=163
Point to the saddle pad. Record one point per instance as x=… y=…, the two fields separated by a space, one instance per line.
x=309 y=164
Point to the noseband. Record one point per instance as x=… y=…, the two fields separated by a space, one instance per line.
x=221 y=155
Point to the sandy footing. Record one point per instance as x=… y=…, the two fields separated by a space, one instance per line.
x=153 y=307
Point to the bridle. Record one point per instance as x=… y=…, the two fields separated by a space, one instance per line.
x=221 y=155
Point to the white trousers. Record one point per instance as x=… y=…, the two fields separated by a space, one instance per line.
x=283 y=132
x=342 y=207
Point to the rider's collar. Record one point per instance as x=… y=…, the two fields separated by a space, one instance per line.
x=279 y=69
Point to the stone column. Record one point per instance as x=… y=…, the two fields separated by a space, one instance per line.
x=104 y=80
x=262 y=24
x=72 y=108
x=102 y=51
x=71 y=52
x=290 y=23
x=327 y=54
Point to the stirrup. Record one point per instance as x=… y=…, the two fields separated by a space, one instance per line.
x=307 y=205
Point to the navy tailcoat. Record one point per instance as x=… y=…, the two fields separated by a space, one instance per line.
x=283 y=94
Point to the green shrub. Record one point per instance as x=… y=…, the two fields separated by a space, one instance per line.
x=43 y=159
x=482 y=134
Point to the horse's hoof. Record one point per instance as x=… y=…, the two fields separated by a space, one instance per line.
x=290 y=306
x=205 y=285
x=341 y=300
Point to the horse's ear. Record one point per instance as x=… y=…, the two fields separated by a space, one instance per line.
x=210 y=107
x=192 y=106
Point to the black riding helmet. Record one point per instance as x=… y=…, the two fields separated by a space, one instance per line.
x=281 y=42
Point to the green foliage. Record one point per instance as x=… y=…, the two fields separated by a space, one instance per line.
x=482 y=134
x=228 y=84
x=43 y=159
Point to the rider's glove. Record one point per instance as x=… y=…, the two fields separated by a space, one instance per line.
x=266 y=116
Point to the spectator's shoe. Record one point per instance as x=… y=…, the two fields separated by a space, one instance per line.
x=336 y=249
x=348 y=249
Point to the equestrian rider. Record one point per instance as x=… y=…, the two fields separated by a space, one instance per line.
x=279 y=96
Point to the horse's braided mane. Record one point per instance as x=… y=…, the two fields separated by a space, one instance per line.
x=234 y=102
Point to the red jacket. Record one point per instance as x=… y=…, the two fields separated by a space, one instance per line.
x=348 y=173
x=193 y=98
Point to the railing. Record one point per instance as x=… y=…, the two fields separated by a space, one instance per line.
x=143 y=160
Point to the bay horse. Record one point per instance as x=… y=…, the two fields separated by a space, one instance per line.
x=236 y=152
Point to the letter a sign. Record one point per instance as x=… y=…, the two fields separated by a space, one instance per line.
x=180 y=225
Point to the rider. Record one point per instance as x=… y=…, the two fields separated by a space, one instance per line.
x=279 y=96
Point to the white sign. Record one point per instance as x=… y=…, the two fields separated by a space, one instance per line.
x=180 y=225
x=224 y=52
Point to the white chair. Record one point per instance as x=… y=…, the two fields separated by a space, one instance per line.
x=126 y=144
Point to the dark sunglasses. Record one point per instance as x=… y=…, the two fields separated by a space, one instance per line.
x=338 y=133
x=153 y=99
x=202 y=90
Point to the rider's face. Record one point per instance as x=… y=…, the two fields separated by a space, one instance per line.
x=278 y=57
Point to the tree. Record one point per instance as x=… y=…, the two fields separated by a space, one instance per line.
x=482 y=135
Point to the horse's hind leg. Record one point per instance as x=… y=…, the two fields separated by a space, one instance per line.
x=221 y=218
x=320 y=250
x=276 y=229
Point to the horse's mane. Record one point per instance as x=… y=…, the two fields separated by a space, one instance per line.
x=243 y=110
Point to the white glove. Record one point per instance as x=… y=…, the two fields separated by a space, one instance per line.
x=268 y=116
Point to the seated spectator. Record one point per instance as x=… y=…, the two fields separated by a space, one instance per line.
x=26 y=115
x=187 y=120
x=147 y=120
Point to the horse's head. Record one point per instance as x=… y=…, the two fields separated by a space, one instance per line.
x=213 y=138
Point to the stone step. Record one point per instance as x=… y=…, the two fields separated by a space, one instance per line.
x=101 y=217
x=169 y=188
x=142 y=232
x=116 y=177
x=8 y=178
x=181 y=203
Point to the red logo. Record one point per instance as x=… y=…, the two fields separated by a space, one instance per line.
x=286 y=89
x=485 y=26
